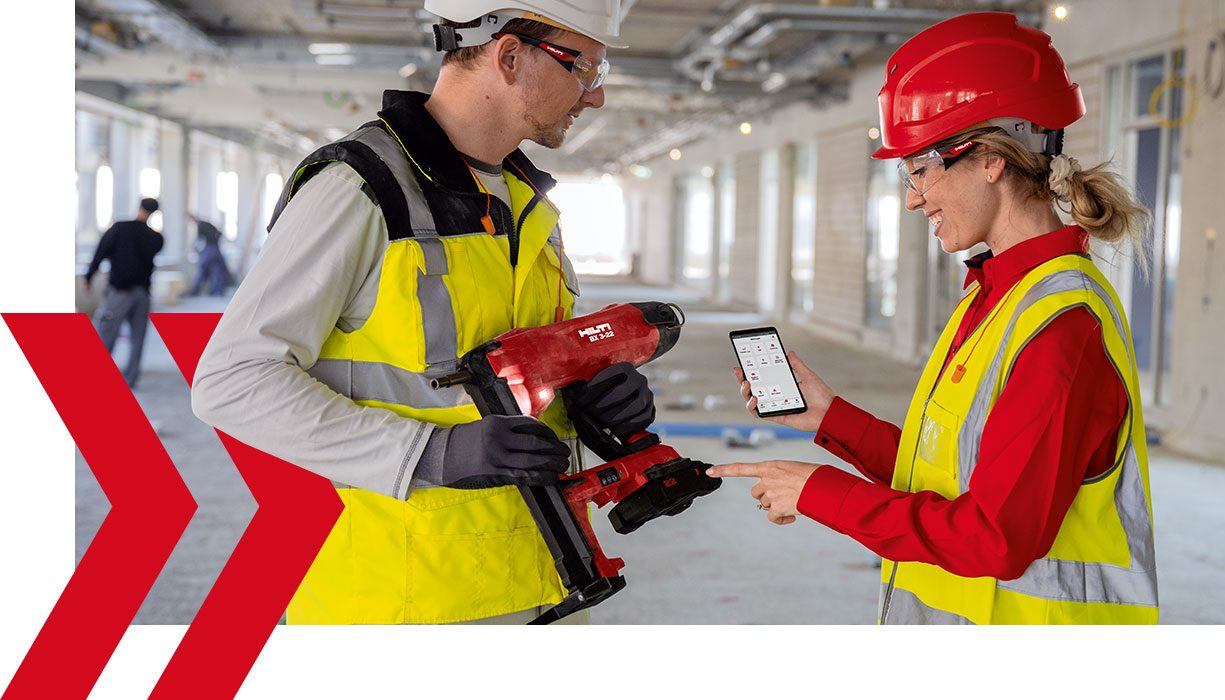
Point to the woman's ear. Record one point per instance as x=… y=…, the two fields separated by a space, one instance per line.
x=993 y=166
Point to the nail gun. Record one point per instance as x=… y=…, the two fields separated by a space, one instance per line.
x=520 y=372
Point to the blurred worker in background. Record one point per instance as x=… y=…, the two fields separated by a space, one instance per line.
x=393 y=252
x=211 y=269
x=130 y=246
x=1017 y=489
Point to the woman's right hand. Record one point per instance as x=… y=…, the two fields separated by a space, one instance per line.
x=817 y=396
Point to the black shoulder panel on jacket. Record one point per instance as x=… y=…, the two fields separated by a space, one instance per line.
x=382 y=183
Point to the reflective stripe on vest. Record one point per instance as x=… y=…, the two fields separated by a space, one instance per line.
x=1052 y=289
x=386 y=383
x=907 y=606
x=432 y=293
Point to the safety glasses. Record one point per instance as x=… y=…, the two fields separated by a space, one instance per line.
x=923 y=170
x=589 y=74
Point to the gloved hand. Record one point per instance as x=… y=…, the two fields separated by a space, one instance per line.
x=616 y=399
x=501 y=451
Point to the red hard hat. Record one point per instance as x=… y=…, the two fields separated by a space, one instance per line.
x=969 y=69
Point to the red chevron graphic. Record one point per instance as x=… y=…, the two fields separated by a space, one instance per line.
x=150 y=506
x=297 y=510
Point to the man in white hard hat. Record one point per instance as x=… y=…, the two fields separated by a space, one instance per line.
x=392 y=253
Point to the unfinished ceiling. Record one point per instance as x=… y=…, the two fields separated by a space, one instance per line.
x=265 y=68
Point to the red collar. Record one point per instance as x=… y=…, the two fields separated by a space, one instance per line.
x=1006 y=269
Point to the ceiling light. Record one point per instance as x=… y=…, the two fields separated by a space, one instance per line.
x=335 y=59
x=707 y=171
x=641 y=172
x=746 y=128
x=873 y=133
x=407 y=70
x=675 y=154
x=328 y=49
x=1060 y=12
x=774 y=83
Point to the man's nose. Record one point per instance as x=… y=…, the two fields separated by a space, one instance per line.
x=593 y=99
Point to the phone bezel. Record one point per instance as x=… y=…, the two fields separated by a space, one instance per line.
x=761 y=331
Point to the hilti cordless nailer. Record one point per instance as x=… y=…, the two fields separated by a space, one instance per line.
x=520 y=371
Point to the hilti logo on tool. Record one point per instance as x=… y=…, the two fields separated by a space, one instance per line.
x=594 y=333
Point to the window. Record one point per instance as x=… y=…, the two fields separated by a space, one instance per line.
x=698 y=231
x=150 y=182
x=104 y=193
x=227 y=202
x=1145 y=106
x=768 y=287
x=726 y=189
x=803 y=226
x=593 y=225
x=273 y=184
x=883 y=220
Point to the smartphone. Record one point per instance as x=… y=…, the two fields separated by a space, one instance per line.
x=764 y=362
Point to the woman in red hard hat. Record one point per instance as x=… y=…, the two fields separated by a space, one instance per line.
x=1017 y=489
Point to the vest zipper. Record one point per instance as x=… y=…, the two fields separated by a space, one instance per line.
x=887 y=600
x=518 y=230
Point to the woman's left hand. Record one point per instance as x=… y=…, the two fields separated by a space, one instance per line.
x=778 y=488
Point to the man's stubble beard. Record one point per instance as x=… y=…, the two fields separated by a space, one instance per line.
x=548 y=136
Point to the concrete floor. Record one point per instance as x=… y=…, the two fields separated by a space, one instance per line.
x=719 y=562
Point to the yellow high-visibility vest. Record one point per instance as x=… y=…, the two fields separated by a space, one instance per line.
x=1101 y=567
x=443 y=555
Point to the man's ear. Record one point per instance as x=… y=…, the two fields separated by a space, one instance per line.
x=507 y=58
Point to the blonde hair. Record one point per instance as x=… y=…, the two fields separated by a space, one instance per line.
x=1097 y=200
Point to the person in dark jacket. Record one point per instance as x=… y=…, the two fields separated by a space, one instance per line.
x=130 y=247
x=211 y=268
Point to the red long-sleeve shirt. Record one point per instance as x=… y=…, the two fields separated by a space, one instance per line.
x=1054 y=425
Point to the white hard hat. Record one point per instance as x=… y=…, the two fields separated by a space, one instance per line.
x=597 y=19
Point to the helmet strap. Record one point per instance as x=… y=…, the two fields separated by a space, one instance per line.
x=1034 y=137
x=1054 y=143
x=449 y=37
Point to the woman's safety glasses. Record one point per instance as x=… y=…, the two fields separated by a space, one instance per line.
x=589 y=74
x=923 y=170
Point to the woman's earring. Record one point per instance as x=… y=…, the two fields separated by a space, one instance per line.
x=988 y=178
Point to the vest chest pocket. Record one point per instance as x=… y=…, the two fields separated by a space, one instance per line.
x=936 y=452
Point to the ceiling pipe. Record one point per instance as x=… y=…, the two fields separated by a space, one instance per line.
x=168 y=26
x=757 y=25
x=92 y=47
x=772 y=29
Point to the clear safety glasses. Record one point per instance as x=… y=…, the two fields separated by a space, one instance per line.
x=589 y=74
x=923 y=170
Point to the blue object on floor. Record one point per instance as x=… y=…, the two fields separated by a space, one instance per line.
x=715 y=430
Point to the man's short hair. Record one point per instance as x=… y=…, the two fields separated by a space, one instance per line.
x=149 y=205
x=466 y=56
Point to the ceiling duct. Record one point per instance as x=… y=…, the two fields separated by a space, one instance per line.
x=742 y=40
x=344 y=17
x=92 y=46
x=160 y=22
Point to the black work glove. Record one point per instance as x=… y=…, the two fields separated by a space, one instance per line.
x=617 y=399
x=501 y=451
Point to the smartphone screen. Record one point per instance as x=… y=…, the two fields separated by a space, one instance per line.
x=765 y=365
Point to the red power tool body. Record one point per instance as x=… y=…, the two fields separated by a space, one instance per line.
x=520 y=372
